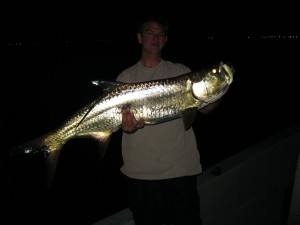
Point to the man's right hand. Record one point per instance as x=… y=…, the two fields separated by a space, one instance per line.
x=129 y=123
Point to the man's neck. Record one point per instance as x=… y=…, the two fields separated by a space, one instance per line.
x=150 y=61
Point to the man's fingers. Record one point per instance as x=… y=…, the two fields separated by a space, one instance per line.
x=140 y=123
x=129 y=122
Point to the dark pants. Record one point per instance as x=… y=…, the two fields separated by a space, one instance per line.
x=170 y=202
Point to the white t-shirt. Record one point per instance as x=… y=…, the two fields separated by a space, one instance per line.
x=163 y=150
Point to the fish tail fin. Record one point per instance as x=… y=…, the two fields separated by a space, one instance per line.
x=36 y=146
x=48 y=150
x=102 y=139
x=50 y=147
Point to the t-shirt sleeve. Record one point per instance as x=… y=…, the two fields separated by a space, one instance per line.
x=122 y=77
x=183 y=68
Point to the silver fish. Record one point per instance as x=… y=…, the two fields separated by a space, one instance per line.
x=155 y=101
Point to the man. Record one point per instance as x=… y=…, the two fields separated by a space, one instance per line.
x=161 y=162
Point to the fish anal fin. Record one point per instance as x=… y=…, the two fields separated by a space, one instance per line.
x=188 y=117
x=102 y=140
x=51 y=165
x=52 y=158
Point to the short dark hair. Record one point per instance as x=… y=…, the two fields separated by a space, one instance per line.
x=164 y=22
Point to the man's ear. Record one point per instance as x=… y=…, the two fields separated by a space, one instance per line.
x=139 y=37
x=166 y=39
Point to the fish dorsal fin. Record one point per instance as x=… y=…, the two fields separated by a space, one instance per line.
x=106 y=85
x=188 y=116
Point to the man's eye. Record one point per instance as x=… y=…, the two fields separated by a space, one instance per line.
x=148 y=32
x=152 y=33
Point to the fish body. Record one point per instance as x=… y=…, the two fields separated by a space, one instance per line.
x=155 y=101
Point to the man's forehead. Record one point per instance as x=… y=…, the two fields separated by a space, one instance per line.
x=153 y=26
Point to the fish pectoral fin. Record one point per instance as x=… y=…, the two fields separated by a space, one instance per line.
x=188 y=116
x=103 y=141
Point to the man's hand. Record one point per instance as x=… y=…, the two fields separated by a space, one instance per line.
x=129 y=122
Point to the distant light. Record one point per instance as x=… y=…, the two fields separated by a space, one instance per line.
x=15 y=44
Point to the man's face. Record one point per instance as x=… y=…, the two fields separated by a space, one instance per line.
x=153 y=38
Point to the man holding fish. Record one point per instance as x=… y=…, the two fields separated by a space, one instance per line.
x=161 y=161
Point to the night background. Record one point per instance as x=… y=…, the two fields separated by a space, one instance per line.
x=51 y=53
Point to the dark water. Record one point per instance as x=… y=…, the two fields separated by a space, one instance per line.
x=43 y=84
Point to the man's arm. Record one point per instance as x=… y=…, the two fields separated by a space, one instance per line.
x=207 y=109
x=130 y=124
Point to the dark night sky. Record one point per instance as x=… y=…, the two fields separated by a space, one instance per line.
x=37 y=21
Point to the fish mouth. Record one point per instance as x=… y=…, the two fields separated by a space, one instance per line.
x=229 y=70
x=231 y=66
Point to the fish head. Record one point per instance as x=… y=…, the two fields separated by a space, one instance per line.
x=211 y=84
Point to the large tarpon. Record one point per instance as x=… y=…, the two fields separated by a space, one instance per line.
x=155 y=101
